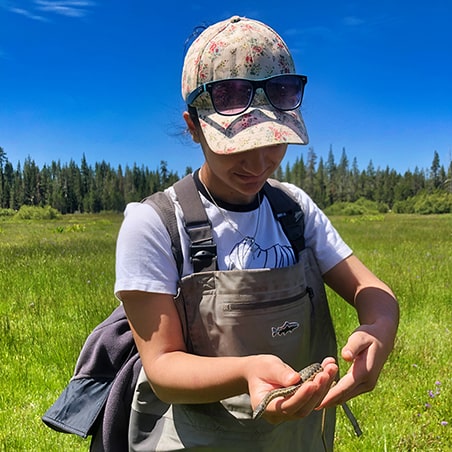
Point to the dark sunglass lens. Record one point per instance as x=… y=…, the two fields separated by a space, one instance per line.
x=231 y=97
x=285 y=92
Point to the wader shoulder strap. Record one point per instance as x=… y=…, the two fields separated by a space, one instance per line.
x=203 y=250
x=288 y=212
x=163 y=205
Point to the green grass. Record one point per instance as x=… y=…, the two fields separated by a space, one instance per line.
x=56 y=284
x=413 y=254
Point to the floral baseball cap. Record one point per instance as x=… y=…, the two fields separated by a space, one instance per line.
x=241 y=48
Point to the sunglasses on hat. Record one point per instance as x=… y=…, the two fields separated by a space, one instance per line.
x=233 y=96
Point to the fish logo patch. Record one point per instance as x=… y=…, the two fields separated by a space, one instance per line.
x=285 y=328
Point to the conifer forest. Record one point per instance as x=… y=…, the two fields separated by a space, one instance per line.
x=72 y=187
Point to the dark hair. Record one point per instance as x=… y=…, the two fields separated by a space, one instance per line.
x=193 y=115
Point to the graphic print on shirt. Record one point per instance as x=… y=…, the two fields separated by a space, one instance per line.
x=248 y=254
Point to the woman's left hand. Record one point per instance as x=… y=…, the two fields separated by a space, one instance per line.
x=367 y=350
x=370 y=344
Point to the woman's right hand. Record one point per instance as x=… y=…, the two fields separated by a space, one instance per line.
x=267 y=372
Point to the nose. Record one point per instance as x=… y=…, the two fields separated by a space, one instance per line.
x=257 y=161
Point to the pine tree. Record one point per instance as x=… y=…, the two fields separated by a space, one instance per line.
x=354 y=181
x=3 y=161
x=8 y=185
x=343 y=181
x=331 y=171
x=320 y=193
x=310 y=175
x=435 y=180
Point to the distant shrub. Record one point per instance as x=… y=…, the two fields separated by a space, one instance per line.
x=382 y=207
x=406 y=206
x=434 y=203
x=338 y=208
x=426 y=204
x=352 y=209
x=361 y=207
x=36 y=213
x=7 y=212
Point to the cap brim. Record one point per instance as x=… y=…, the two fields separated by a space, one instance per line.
x=257 y=127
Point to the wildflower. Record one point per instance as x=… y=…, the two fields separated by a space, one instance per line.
x=444 y=423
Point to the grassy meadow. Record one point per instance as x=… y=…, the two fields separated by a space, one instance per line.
x=56 y=285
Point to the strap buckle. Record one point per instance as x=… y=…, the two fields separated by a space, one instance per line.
x=202 y=255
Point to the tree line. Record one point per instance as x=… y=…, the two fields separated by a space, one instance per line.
x=334 y=182
x=71 y=188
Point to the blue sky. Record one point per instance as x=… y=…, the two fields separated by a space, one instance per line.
x=103 y=78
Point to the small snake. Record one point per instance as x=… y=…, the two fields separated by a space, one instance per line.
x=307 y=374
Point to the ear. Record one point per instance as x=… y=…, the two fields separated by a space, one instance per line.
x=194 y=132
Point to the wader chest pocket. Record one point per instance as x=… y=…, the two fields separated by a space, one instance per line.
x=255 y=306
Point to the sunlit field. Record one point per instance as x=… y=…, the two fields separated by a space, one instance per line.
x=56 y=285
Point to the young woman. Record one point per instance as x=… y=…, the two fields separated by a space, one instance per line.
x=214 y=343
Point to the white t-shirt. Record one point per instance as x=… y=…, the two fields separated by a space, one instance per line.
x=245 y=239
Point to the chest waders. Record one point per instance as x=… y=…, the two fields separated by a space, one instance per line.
x=282 y=311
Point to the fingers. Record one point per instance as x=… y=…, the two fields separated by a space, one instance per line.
x=358 y=342
x=306 y=398
x=364 y=353
x=346 y=388
x=265 y=373
x=317 y=389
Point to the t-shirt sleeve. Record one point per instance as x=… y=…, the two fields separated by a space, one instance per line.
x=144 y=260
x=320 y=235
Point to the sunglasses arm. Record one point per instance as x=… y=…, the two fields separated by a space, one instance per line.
x=195 y=93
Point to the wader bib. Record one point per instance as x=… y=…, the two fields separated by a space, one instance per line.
x=280 y=311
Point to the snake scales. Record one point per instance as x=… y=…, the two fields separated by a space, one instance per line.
x=306 y=374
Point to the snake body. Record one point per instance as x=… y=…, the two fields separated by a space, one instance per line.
x=306 y=374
